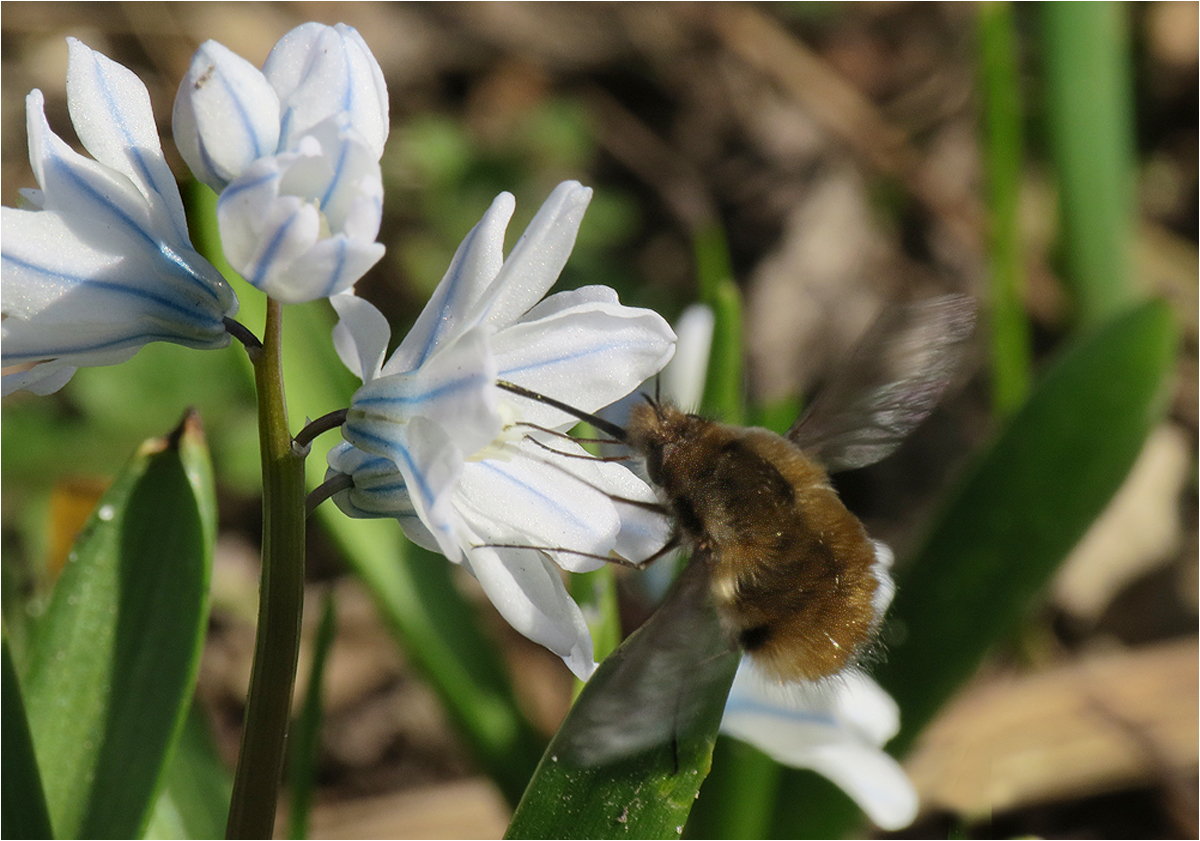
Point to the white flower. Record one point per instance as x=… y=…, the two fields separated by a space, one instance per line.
x=836 y=727
x=294 y=152
x=432 y=441
x=102 y=263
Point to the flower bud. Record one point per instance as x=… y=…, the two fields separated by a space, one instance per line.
x=226 y=115
x=319 y=71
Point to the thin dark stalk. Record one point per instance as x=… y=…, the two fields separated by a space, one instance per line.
x=242 y=333
x=322 y=424
x=335 y=484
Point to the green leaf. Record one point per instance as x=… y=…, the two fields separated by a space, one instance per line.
x=23 y=811
x=1027 y=502
x=634 y=749
x=114 y=659
x=195 y=799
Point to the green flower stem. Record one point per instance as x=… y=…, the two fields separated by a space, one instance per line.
x=281 y=592
x=1002 y=145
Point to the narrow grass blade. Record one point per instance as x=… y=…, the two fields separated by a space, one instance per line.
x=1089 y=111
x=1002 y=147
x=305 y=745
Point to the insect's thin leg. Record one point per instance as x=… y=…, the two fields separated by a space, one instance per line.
x=600 y=423
x=568 y=436
x=670 y=545
x=607 y=558
x=586 y=456
x=673 y=543
x=656 y=507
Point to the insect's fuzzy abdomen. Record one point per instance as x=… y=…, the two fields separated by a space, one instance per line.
x=792 y=568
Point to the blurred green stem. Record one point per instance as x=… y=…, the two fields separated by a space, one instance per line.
x=1089 y=108
x=1002 y=152
x=306 y=735
x=723 y=394
x=280 y=602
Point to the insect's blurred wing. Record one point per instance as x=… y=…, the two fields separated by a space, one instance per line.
x=661 y=687
x=891 y=380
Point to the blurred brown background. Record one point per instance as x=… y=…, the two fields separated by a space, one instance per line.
x=836 y=146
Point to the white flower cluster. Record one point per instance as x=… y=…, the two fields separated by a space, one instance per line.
x=294 y=151
x=98 y=262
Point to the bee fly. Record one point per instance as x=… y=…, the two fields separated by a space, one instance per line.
x=793 y=573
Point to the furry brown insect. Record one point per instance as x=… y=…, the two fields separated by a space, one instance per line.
x=794 y=576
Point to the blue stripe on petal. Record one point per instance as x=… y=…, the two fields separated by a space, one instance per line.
x=135 y=338
x=243 y=116
x=118 y=115
x=405 y=399
x=569 y=357
x=338 y=169
x=336 y=275
x=451 y=283
x=187 y=314
x=63 y=168
x=394 y=448
x=259 y=276
x=567 y=512
x=236 y=188
x=741 y=705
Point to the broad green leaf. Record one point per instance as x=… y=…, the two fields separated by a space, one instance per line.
x=194 y=801
x=113 y=661
x=23 y=811
x=1028 y=500
x=634 y=749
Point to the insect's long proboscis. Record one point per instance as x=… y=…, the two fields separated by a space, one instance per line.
x=600 y=423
